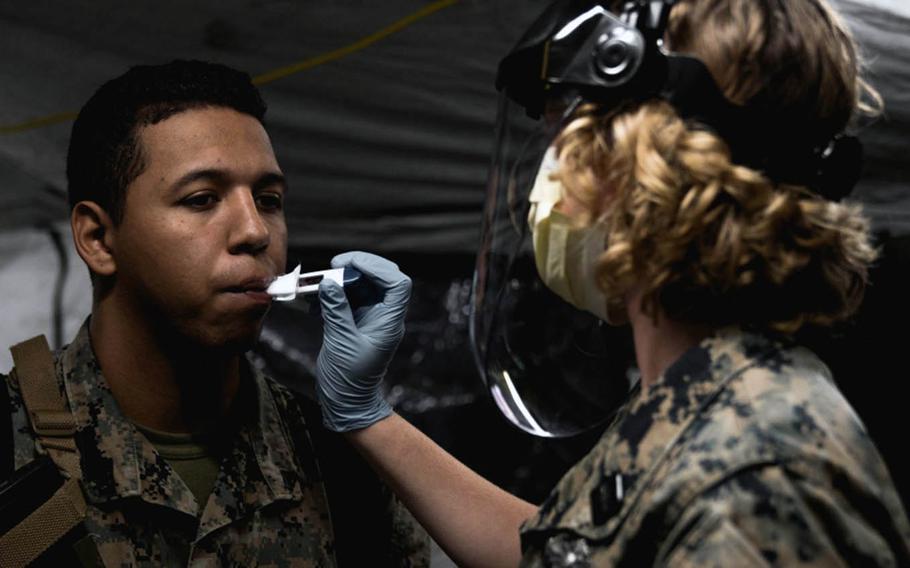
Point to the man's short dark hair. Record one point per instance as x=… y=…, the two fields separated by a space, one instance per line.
x=104 y=154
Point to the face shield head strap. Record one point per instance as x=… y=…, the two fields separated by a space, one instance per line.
x=581 y=47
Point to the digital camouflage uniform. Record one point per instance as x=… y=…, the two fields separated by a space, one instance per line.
x=270 y=505
x=743 y=453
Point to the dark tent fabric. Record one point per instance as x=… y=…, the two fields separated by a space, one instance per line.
x=885 y=187
x=386 y=145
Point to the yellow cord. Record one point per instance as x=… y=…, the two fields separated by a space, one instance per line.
x=354 y=47
x=275 y=74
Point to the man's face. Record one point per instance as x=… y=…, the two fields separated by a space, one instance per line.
x=203 y=230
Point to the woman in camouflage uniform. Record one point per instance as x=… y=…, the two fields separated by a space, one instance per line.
x=737 y=449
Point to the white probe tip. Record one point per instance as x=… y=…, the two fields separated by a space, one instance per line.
x=284 y=288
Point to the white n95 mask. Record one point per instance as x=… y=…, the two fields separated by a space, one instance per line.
x=565 y=254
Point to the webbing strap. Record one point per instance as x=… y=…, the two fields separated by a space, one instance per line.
x=57 y=516
x=48 y=410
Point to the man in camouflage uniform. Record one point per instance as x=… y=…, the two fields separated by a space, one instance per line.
x=229 y=468
x=269 y=505
x=743 y=440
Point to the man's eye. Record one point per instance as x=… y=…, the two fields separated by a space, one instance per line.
x=199 y=200
x=269 y=201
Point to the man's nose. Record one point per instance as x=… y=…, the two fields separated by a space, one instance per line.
x=249 y=232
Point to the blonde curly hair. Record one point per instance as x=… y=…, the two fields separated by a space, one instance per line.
x=701 y=238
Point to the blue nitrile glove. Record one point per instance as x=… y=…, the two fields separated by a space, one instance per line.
x=358 y=344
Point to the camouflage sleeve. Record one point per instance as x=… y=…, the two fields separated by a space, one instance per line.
x=410 y=543
x=767 y=517
x=371 y=526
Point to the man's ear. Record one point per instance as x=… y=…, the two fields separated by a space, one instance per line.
x=93 y=235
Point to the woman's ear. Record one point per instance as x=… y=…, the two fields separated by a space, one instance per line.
x=93 y=236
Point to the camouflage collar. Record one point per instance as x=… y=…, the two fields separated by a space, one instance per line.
x=648 y=427
x=120 y=463
x=698 y=374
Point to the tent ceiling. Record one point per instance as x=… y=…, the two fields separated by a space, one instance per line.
x=387 y=146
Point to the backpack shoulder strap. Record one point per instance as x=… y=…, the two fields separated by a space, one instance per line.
x=37 y=533
x=46 y=404
x=54 y=427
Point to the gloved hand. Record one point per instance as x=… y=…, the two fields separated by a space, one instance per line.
x=358 y=344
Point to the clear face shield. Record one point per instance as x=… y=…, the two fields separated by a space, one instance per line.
x=552 y=369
